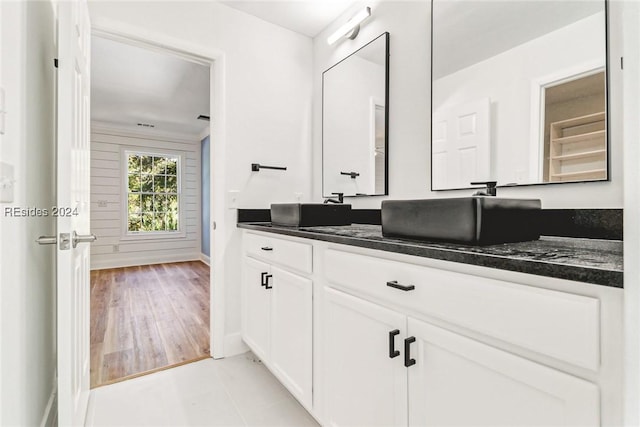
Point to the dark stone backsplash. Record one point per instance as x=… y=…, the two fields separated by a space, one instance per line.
x=585 y=223
x=588 y=223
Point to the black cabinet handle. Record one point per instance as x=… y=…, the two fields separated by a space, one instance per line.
x=266 y=248
x=408 y=361
x=266 y=281
x=395 y=284
x=262 y=275
x=392 y=344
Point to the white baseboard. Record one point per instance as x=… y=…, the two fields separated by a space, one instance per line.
x=126 y=260
x=206 y=259
x=50 y=416
x=233 y=345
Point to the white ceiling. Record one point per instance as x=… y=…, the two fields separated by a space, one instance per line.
x=131 y=85
x=308 y=17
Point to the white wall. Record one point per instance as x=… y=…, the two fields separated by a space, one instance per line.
x=408 y=27
x=409 y=112
x=507 y=80
x=266 y=118
x=27 y=293
x=107 y=188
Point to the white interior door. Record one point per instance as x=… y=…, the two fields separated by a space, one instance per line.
x=461 y=145
x=74 y=36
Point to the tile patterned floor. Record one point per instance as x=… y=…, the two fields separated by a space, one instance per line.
x=236 y=391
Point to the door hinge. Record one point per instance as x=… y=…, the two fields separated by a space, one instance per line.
x=55 y=62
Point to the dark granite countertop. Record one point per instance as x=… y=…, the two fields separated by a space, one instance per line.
x=584 y=260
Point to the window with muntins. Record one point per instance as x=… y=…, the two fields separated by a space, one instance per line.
x=153 y=193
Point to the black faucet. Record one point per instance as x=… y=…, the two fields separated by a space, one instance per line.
x=339 y=200
x=489 y=191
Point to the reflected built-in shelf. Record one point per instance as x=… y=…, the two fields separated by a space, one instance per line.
x=582 y=155
x=578 y=149
x=588 y=174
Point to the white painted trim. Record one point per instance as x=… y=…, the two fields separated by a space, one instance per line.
x=628 y=14
x=536 y=149
x=50 y=416
x=205 y=133
x=126 y=260
x=234 y=345
x=206 y=259
x=215 y=58
x=126 y=132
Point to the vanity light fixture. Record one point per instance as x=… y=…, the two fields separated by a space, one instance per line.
x=351 y=28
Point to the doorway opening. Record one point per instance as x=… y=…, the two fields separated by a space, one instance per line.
x=150 y=278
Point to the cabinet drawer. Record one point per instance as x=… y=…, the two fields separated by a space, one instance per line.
x=557 y=324
x=295 y=255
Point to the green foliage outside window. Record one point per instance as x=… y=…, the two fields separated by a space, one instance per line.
x=153 y=197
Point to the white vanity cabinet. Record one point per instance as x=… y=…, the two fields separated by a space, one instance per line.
x=400 y=340
x=277 y=310
x=459 y=381
x=396 y=370
x=256 y=307
x=362 y=385
x=418 y=362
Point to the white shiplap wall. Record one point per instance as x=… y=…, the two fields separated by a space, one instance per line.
x=107 y=200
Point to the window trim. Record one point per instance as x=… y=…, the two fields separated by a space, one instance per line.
x=125 y=234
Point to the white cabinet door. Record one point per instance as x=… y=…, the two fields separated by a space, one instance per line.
x=457 y=381
x=256 y=306
x=292 y=332
x=363 y=385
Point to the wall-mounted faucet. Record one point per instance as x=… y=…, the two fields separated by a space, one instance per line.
x=490 y=190
x=340 y=198
x=353 y=175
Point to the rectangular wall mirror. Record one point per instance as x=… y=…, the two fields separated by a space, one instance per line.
x=519 y=92
x=355 y=121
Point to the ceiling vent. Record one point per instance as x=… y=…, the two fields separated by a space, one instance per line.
x=146 y=125
x=203 y=117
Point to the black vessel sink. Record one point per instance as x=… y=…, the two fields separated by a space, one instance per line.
x=310 y=214
x=477 y=220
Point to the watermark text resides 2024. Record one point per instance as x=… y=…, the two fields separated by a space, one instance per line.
x=29 y=212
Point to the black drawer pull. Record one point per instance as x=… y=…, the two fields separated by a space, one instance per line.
x=408 y=361
x=392 y=344
x=395 y=284
x=262 y=282
x=266 y=281
x=266 y=248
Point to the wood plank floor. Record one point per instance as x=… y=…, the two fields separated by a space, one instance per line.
x=146 y=318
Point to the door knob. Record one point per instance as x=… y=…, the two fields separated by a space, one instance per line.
x=52 y=240
x=47 y=240
x=82 y=238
